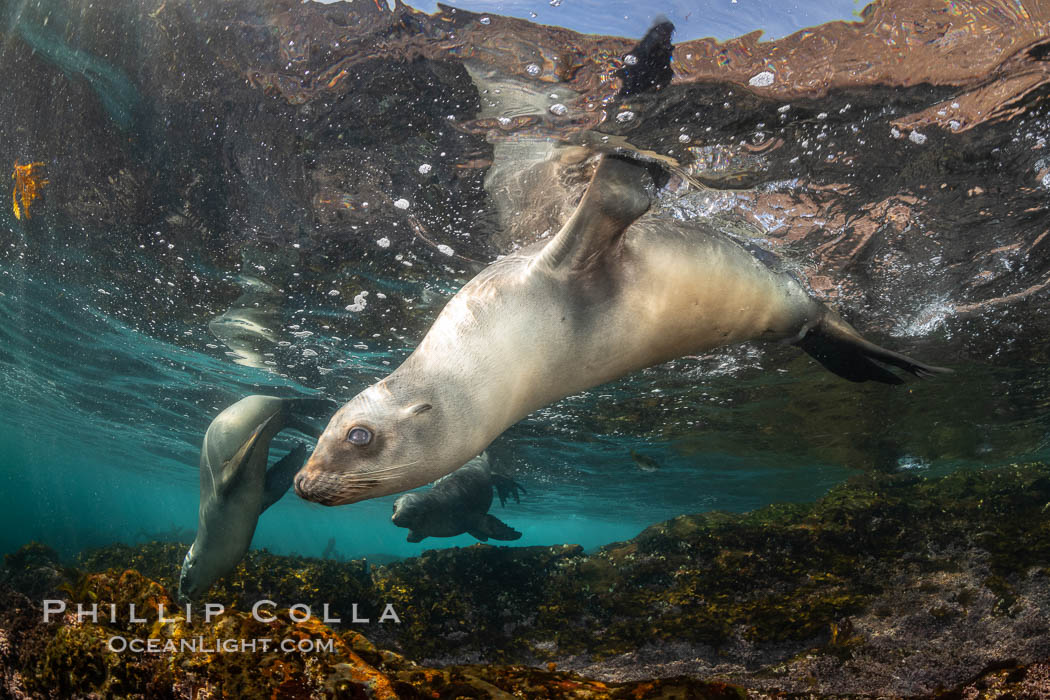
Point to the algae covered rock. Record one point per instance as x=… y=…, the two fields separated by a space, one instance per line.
x=891 y=581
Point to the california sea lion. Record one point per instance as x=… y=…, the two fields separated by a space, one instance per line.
x=235 y=485
x=611 y=293
x=458 y=503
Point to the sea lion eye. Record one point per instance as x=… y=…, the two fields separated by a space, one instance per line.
x=359 y=436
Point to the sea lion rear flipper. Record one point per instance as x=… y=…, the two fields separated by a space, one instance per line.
x=842 y=350
x=279 y=476
x=296 y=409
x=617 y=195
x=305 y=427
x=491 y=526
x=506 y=487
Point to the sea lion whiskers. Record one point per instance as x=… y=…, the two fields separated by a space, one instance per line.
x=394 y=468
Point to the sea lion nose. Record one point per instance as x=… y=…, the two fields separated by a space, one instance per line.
x=301 y=483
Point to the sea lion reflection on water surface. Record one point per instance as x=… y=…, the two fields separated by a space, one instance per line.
x=611 y=293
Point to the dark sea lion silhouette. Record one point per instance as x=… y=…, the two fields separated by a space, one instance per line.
x=458 y=503
x=650 y=61
x=612 y=292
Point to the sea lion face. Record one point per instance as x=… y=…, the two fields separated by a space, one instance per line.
x=375 y=445
x=191 y=583
x=410 y=511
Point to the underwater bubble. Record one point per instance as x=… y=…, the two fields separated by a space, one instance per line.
x=555 y=3
x=822 y=115
x=333 y=292
x=928 y=318
x=683 y=138
x=309 y=353
x=895 y=133
x=763 y=79
x=424 y=169
x=558 y=109
x=303 y=334
x=1046 y=181
x=485 y=20
x=630 y=59
x=383 y=242
x=916 y=137
x=624 y=117
x=784 y=109
x=503 y=121
x=532 y=69
x=401 y=203
x=446 y=250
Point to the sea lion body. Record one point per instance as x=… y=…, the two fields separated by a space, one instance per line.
x=613 y=292
x=457 y=503
x=235 y=485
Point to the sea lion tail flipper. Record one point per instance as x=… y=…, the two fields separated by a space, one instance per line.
x=506 y=487
x=311 y=405
x=842 y=350
x=279 y=476
x=296 y=409
x=491 y=526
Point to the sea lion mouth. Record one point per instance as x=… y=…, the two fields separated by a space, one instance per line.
x=332 y=489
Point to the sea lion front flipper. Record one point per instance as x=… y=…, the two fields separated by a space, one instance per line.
x=617 y=195
x=491 y=526
x=279 y=476
x=506 y=487
x=229 y=472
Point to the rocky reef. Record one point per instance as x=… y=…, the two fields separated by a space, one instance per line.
x=890 y=585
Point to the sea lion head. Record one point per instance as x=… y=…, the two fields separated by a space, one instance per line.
x=380 y=442
x=412 y=511
x=192 y=582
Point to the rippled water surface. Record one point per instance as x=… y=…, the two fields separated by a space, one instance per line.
x=343 y=196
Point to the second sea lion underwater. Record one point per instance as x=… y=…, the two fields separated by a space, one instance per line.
x=458 y=503
x=614 y=291
x=235 y=484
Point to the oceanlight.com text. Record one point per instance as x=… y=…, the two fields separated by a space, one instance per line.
x=201 y=645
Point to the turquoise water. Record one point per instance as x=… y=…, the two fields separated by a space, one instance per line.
x=100 y=428
x=111 y=379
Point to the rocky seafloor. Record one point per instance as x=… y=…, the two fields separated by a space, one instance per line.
x=891 y=585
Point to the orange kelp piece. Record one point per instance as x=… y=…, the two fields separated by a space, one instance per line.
x=28 y=183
